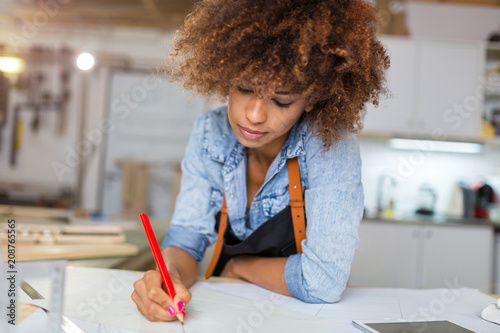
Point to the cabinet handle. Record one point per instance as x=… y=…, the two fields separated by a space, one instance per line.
x=428 y=234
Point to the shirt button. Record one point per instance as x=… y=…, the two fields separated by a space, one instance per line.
x=231 y=194
x=238 y=230
x=256 y=205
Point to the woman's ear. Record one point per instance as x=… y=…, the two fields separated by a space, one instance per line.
x=308 y=108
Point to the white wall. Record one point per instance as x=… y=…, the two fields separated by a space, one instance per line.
x=154 y=128
x=452 y=21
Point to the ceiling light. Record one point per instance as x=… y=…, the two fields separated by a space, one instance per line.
x=11 y=65
x=85 y=61
x=436 y=146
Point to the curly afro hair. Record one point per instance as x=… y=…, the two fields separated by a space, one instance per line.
x=325 y=49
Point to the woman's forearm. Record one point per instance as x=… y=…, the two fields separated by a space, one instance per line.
x=181 y=265
x=268 y=273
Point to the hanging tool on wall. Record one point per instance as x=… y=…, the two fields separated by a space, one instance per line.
x=4 y=102
x=64 y=80
x=4 y=98
x=37 y=79
x=17 y=136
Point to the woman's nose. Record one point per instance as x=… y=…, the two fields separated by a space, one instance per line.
x=256 y=110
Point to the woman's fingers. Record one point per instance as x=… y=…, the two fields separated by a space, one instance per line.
x=154 y=303
x=151 y=300
x=182 y=297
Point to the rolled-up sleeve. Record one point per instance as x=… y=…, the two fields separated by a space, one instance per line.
x=192 y=224
x=334 y=208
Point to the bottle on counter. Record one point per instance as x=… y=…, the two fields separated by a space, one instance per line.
x=484 y=197
x=427 y=198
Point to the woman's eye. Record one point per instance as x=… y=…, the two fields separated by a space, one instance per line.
x=282 y=105
x=244 y=91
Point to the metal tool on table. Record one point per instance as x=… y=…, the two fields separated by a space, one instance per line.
x=67 y=326
x=50 y=274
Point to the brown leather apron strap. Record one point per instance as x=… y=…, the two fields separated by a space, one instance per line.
x=297 y=209
x=220 y=239
x=296 y=202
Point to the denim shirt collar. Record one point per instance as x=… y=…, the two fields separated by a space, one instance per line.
x=229 y=151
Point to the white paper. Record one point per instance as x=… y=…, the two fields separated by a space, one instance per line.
x=462 y=306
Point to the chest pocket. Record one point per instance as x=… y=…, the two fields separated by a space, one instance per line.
x=275 y=202
x=216 y=199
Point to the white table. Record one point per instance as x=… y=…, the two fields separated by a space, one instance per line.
x=94 y=295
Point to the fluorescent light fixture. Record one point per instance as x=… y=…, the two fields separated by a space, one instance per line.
x=85 y=61
x=11 y=65
x=439 y=146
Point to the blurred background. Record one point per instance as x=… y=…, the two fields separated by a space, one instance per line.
x=92 y=134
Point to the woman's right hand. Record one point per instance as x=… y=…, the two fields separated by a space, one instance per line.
x=154 y=303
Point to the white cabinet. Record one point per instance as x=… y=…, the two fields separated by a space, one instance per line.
x=394 y=114
x=386 y=256
x=449 y=95
x=406 y=255
x=436 y=90
x=464 y=253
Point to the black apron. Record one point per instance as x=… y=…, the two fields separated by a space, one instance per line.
x=274 y=238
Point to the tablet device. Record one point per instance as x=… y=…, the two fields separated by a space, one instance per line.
x=402 y=326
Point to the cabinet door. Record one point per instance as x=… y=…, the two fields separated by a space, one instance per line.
x=395 y=112
x=449 y=97
x=460 y=255
x=386 y=256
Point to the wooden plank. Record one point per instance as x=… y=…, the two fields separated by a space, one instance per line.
x=13 y=211
x=73 y=251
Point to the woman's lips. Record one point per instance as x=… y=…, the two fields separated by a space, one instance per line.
x=250 y=134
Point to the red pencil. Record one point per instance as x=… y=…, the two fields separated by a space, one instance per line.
x=169 y=287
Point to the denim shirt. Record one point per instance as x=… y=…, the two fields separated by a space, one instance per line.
x=215 y=163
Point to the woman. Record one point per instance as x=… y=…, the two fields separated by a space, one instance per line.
x=296 y=75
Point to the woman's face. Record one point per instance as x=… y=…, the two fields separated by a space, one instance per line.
x=263 y=122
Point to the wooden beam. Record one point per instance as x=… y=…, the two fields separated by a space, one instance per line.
x=463 y=2
x=151 y=8
x=120 y=17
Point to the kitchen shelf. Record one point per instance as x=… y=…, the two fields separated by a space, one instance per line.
x=492 y=86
